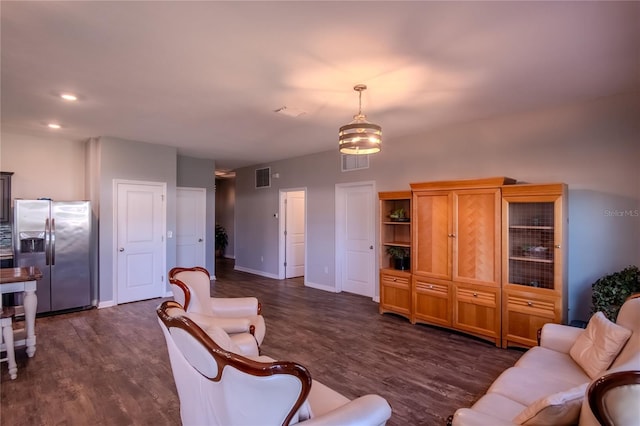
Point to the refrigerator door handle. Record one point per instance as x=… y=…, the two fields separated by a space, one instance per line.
x=53 y=241
x=47 y=243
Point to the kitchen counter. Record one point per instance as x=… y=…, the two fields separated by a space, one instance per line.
x=14 y=275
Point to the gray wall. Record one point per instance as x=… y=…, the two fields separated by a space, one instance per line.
x=592 y=146
x=131 y=160
x=200 y=173
x=225 y=210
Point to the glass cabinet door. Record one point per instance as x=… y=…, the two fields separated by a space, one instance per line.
x=532 y=244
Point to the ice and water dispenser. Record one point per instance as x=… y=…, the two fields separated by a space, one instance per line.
x=31 y=242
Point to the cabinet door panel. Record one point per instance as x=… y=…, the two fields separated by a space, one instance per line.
x=477 y=311
x=477 y=237
x=395 y=294
x=524 y=316
x=432 y=303
x=432 y=224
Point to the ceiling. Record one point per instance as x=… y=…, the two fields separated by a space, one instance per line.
x=207 y=76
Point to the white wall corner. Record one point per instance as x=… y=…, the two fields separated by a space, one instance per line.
x=321 y=287
x=256 y=272
x=106 y=304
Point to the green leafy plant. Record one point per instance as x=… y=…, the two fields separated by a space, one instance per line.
x=398 y=252
x=397 y=214
x=222 y=240
x=610 y=291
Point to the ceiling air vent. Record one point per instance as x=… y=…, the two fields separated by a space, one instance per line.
x=263 y=177
x=354 y=162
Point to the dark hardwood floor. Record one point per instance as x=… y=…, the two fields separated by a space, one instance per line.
x=110 y=366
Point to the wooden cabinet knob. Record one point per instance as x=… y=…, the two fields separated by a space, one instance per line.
x=395 y=279
x=529 y=303
x=475 y=294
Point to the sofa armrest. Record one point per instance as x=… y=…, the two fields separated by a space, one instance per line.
x=559 y=337
x=368 y=410
x=471 y=417
x=234 y=306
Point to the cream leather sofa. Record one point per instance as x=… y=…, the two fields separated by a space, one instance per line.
x=549 y=373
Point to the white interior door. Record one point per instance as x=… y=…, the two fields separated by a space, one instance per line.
x=294 y=234
x=140 y=244
x=355 y=238
x=190 y=226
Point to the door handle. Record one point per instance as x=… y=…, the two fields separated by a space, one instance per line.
x=53 y=241
x=47 y=242
x=121 y=249
x=370 y=247
x=199 y=240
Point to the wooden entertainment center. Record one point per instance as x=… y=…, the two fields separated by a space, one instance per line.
x=487 y=257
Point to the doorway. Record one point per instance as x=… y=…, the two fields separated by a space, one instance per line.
x=140 y=212
x=191 y=211
x=355 y=238
x=292 y=231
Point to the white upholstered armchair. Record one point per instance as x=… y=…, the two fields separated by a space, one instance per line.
x=218 y=387
x=191 y=288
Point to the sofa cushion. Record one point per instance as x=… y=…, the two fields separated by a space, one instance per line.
x=498 y=406
x=561 y=408
x=561 y=364
x=525 y=385
x=596 y=348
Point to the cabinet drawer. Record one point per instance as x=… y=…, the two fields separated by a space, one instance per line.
x=391 y=280
x=477 y=297
x=532 y=306
x=440 y=290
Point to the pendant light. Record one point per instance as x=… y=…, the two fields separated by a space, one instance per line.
x=360 y=136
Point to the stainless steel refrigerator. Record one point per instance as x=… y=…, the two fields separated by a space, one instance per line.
x=55 y=236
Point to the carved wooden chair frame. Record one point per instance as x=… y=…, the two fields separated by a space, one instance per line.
x=604 y=384
x=185 y=288
x=225 y=358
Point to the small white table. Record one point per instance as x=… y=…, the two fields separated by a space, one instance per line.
x=16 y=280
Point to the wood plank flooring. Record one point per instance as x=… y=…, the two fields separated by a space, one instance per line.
x=110 y=366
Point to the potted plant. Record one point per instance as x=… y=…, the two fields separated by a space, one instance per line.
x=398 y=215
x=400 y=257
x=222 y=240
x=610 y=291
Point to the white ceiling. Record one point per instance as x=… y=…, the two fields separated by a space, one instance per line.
x=206 y=76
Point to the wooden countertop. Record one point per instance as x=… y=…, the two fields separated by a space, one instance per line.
x=14 y=275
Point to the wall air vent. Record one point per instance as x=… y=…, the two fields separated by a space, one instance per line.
x=263 y=177
x=354 y=162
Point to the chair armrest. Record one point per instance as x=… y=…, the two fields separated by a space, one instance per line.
x=368 y=410
x=471 y=417
x=234 y=306
x=230 y=325
x=559 y=337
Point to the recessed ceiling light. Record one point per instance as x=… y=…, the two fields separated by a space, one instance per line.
x=68 y=97
x=54 y=125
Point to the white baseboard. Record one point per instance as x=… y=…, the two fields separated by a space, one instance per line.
x=168 y=294
x=376 y=299
x=255 y=272
x=320 y=287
